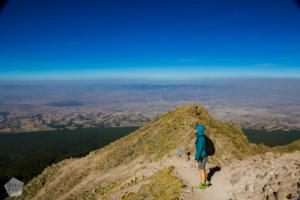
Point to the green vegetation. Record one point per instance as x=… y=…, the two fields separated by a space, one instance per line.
x=151 y=142
x=26 y=155
x=164 y=186
x=272 y=138
x=40 y=180
x=294 y=146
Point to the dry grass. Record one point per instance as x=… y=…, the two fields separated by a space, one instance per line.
x=163 y=186
x=91 y=176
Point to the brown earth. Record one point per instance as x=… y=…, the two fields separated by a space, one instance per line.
x=146 y=165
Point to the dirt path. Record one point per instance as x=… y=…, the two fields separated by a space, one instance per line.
x=268 y=176
x=189 y=173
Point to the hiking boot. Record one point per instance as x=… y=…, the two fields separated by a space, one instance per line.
x=207 y=183
x=201 y=186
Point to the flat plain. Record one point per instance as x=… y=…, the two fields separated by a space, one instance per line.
x=272 y=104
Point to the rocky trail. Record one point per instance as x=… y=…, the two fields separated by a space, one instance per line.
x=189 y=173
x=259 y=177
x=267 y=176
x=157 y=162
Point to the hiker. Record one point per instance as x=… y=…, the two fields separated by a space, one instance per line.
x=201 y=156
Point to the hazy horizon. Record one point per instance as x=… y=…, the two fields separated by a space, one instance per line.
x=148 y=81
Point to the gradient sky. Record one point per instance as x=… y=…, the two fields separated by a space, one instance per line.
x=149 y=39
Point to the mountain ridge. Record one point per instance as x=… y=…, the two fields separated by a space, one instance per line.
x=129 y=167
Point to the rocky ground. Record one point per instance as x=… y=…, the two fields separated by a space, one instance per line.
x=146 y=164
x=268 y=176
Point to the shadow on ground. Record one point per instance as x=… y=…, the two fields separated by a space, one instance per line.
x=212 y=171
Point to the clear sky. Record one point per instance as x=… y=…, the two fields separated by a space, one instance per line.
x=149 y=39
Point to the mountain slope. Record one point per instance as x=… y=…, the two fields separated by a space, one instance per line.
x=141 y=165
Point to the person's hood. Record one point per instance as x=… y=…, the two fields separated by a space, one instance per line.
x=200 y=130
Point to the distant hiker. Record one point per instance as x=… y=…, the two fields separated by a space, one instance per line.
x=201 y=155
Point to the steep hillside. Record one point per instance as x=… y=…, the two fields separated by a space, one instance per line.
x=142 y=165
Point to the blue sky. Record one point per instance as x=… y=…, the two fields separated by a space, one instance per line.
x=143 y=39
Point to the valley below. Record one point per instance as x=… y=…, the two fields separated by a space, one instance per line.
x=81 y=132
x=25 y=155
x=270 y=104
x=142 y=164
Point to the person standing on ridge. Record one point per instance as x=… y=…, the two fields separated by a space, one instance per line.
x=201 y=156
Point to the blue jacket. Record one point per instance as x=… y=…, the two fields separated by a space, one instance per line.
x=200 y=142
